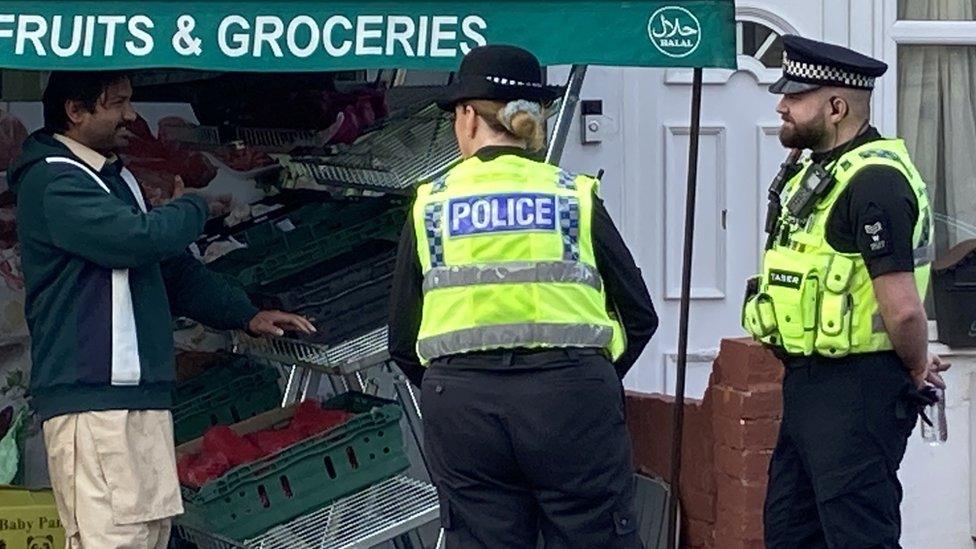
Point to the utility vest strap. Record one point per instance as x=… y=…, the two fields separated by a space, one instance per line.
x=513 y=272
x=514 y=336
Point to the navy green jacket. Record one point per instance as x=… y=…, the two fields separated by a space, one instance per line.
x=104 y=277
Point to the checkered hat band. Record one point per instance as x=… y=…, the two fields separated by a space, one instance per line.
x=512 y=82
x=824 y=73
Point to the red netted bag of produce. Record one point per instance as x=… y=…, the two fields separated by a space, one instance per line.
x=272 y=441
x=311 y=419
x=222 y=440
x=195 y=470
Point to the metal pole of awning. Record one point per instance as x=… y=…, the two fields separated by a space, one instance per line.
x=678 y=414
x=564 y=119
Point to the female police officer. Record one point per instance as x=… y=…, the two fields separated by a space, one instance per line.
x=520 y=308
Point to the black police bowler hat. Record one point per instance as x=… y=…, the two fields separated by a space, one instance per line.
x=499 y=73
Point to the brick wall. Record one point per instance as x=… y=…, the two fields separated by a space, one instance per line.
x=727 y=441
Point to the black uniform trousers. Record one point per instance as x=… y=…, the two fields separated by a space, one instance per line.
x=539 y=445
x=833 y=476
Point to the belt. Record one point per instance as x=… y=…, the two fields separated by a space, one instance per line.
x=519 y=357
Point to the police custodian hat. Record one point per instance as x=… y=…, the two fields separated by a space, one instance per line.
x=809 y=64
x=500 y=73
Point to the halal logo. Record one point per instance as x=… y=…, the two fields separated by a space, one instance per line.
x=674 y=31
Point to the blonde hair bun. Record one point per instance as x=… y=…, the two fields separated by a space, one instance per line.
x=524 y=119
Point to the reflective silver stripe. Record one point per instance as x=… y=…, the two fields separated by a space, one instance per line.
x=877 y=324
x=507 y=336
x=514 y=272
x=924 y=255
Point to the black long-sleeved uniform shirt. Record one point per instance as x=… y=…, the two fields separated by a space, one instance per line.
x=622 y=279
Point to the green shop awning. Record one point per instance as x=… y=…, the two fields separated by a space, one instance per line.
x=270 y=36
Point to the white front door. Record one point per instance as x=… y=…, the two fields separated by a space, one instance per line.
x=645 y=158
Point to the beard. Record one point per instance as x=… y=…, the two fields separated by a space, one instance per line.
x=805 y=136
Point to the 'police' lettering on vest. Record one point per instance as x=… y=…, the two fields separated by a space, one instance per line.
x=785 y=278
x=501 y=212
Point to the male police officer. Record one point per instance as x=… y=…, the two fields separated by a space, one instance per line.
x=839 y=300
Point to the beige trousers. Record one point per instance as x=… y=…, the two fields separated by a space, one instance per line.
x=114 y=478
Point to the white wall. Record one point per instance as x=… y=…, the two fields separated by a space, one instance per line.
x=938 y=481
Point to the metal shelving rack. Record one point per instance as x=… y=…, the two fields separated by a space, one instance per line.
x=416 y=142
x=379 y=513
x=385 y=511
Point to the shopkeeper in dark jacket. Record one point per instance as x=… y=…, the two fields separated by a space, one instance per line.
x=104 y=275
x=519 y=309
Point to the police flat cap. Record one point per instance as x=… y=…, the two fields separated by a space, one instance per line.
x=809 y=64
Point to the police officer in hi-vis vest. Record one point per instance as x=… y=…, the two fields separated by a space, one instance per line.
x=839 y=300
x=520 y=309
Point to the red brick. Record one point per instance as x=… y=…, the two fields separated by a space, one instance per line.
x=698 y=505
x=739 y=523
x=742 y=528
x=649 y=422
x=696 y=533
x=735 y=499
x=754 y=434
x=725 y=542
x=760 y=401
x=748 y=465
x=742 y=363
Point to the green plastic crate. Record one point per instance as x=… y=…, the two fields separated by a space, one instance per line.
x=252 y=498
x=321 y=232
x=223 y=395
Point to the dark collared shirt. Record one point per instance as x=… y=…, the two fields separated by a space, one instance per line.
x=877 y=196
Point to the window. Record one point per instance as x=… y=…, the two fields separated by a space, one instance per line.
x=936 y=10
x=935 y=92
x=937 y=120
x=759 y=42
x=937 y=111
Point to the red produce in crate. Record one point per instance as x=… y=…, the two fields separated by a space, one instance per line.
x=196 y=170
x=237 y=450
x=311 y=419
x=349 y=128
x=198 y=469
x=244 y=158
x=272 y=441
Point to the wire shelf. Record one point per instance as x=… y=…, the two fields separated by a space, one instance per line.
x=343 y=359
x=366 y=518
x=394 y=158
x=202 y=136
x=276 y=140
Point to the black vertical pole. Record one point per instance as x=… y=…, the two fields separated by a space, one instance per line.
x=678 y=415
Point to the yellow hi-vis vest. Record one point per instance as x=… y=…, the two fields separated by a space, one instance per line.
x=507 y=258
x=813 y=299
